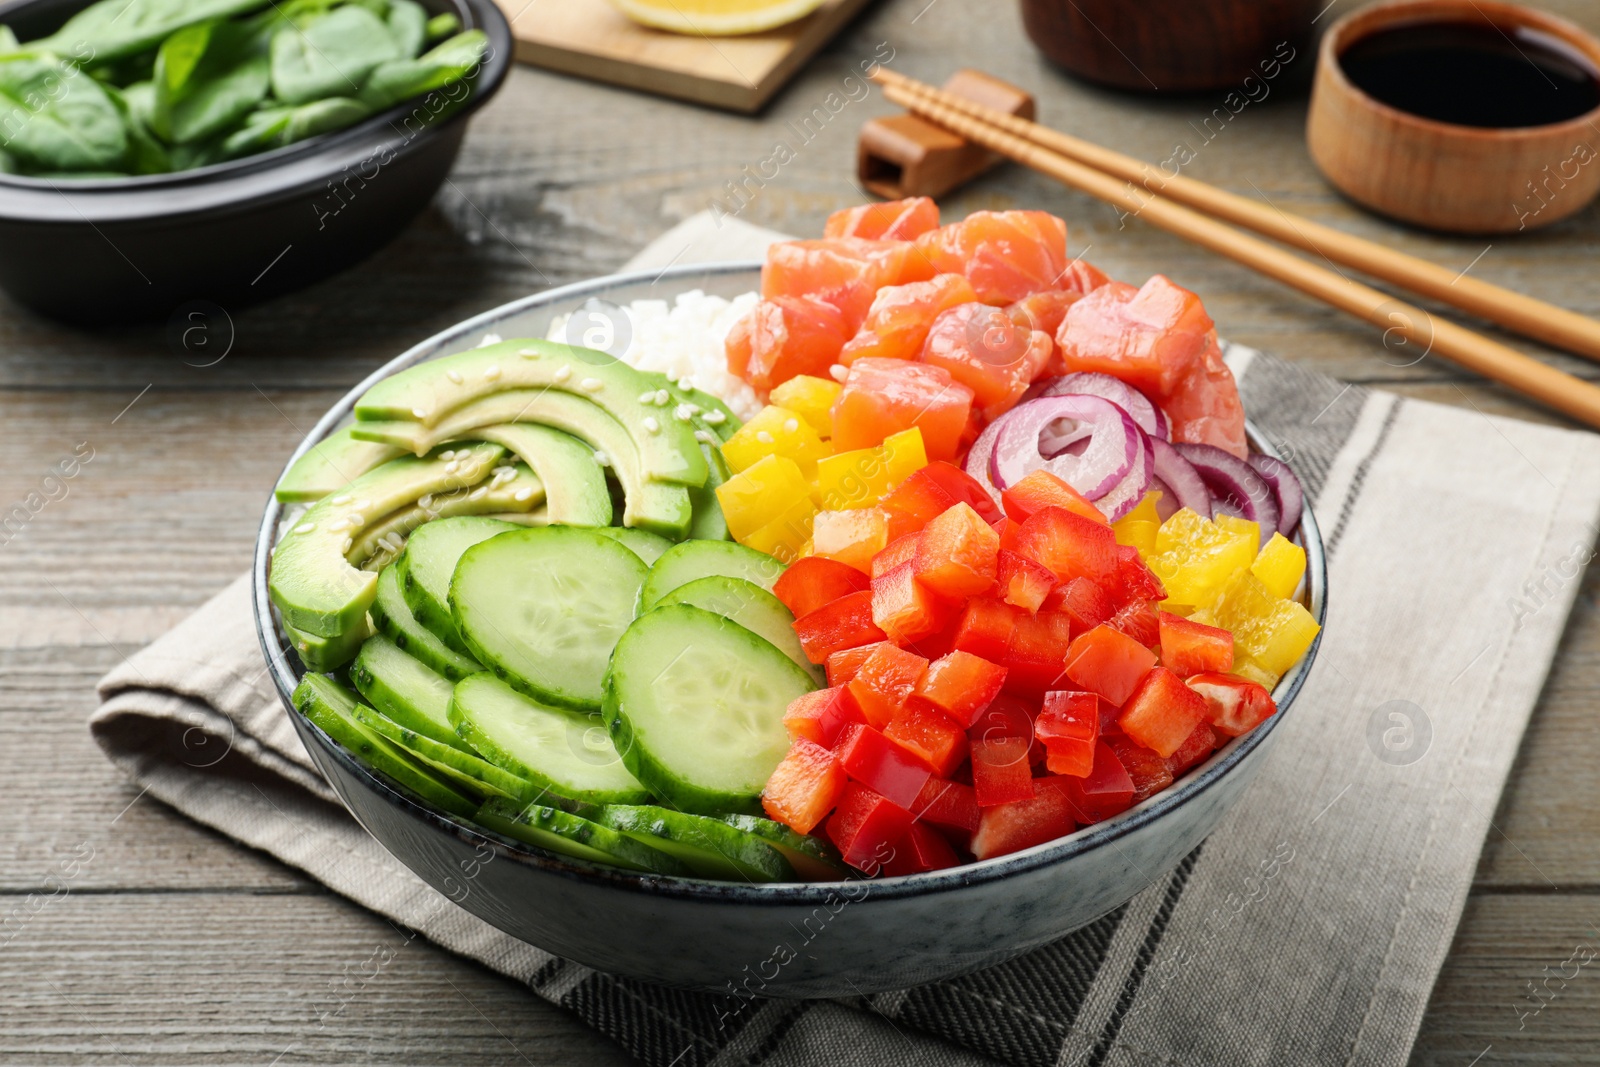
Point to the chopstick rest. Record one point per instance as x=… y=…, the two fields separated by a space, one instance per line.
x=904 y=155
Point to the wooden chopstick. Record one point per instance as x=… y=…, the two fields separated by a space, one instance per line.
x=1518 y=312
x=1428 y=333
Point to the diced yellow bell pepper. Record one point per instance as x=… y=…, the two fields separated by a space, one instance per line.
x=760 y=494
x=852 y=537
x=1139 y=526
x=1195 y=558
x=810 y=398
x=1280 y=566
x=1251 y=671
x=1271 y=632
x=1145 y=510
x=861 y=478
x=1235 y=525
x=785 y=537
x=775 y=431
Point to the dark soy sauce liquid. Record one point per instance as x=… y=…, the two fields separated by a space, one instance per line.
x=1472 y=74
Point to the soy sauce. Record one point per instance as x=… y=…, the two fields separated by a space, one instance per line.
x=1473 y=74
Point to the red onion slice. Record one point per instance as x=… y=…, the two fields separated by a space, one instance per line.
x=1285 y=485
x=1108 y=441
x=1145 y=414
x=1180 y=484
x=1127 y=493
x=1236 y=487
x=979 y=454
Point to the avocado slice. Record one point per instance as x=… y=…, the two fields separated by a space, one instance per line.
x=430 y=391
x=328 y=653
x=699 y=409
x=330 y=465
x=575 y=485
x=655 y=506
x=708 y=523
x=312 y=583
x=510 y=488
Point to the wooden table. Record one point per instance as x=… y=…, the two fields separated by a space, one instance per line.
x=174 y=945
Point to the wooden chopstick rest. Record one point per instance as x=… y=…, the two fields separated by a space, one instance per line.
x=903 y=155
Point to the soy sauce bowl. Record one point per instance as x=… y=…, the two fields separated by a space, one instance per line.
x=817 y=939
x=121 y=249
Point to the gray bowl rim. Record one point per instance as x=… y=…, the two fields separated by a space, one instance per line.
x=1102 y=834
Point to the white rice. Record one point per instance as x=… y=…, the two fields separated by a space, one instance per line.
x=685 y=341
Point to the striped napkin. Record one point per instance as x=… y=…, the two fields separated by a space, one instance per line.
x=1307 y=929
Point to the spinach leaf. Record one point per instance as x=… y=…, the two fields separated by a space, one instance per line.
x=8 y=41
x=442 y=26
x=7 y=164
x=275 y=127
x=408 y=25
x=331 y=56
x=207 y=78
x=54 y=117
x=402 y=79
x=112 y=29
x=146 y=155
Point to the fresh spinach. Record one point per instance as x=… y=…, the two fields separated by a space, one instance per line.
x=332 y=55
x=402 y=79
x=8 y=41
x=442 y=26
x=208 y=77
x=112 y=29
x=55 y=117
x=408 y=25
x=275 y=127
x=146 y=154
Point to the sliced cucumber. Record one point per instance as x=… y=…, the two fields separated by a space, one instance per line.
x=575 y=485
x=331 y=708
x=467 y=772
x=405 y=690
x=328 y=653
x=812 y=858
x=710 y=847
x=544 y=608
x=683 y=563
x=571 y=835
x=428 y=564
x=646 y=545
x=695 y=705
x=750 y=606
x=567 y=752
x=392 y=616
x=330 y=465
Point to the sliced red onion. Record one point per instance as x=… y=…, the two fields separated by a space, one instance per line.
x=1236 y=487
x=1285 y=485
x=1093 y=443
x=1146 y=415
x=1126 y=494
x=979 y=454
x=1180 y=484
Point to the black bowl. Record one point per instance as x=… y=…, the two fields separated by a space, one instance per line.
x=119 y=249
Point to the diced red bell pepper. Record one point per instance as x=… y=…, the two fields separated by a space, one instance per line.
x=1134 y=580
x=1008 y=716
x=886 y=678
x=814 y=581
x=1022 y=582
x=915 y=502
x=1137 y=619
x=1195 y=750
x=1085 y=601
x=946 y=803
x=1007 y=529
x=905 y=609
x=1069 y=728
x=1000 y=770
x=1105 y=791
x=842 y=623
x=1189 y=648
x=922 y=849
x=1109 y=663
x=1069 y=544
x=881 y=765
x=963 y=487
x=1039 y=490
x=1233 y=705
x=986 y=629
x=1148 y=771
x=866 y=827
x=1044 y=815
x=846 y=663
x=956 y=553
x=930 y=735
x=804 y=787
x=902 y=549
x=819 y=715
x=1038 y=652
x=962 y=685
x=1162 y=712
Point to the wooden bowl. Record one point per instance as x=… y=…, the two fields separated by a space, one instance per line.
x=1171 y=46
x=1462 y=179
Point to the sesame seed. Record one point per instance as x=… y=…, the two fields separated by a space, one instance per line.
x=591 y=385
x=838 y=371
x=663 y=397
x=425 y=500
x=491 y=373
x=355 y=520
x=764 y=437
x=705 y=437
x=563 y=373
x=453 y=375
x=684 y=383
x=522 y=495
x=682 y=413
x=345 y=547
x=647 y=397
x=651 y=425
x=447 y=454
x=341 y=500
x=419 y=413
x=601 y=458
x=478 y=493
x=694 y=409
x=489 y=339
x=716 y=418
x=305 y=527
x=364 y=505
x=791 y=425
x=528 y=353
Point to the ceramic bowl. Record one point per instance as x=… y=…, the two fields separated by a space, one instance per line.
x=846 y=938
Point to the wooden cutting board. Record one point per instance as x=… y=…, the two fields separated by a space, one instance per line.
x=592 y=39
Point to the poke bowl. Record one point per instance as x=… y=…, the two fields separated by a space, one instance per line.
x=551 y=835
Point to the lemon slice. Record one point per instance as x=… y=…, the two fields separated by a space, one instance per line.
x=716 y=18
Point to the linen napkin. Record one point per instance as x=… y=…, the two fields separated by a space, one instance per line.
x=1309 y=928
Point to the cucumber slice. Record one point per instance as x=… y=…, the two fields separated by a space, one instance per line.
x=571 y=835
x=567 y=752
x=511 y=488
x=393 y=618
x=467 y=772
x=405 y=691
x=695 y=704
x=683 y=563
x=328 y=653
x=812 y=858
x=710 y=847
x=428 y=564
x=331 y=708
x=575 y=485
x=644 y=544
x=750 y=606
x=330 y=465
x=544 y=608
